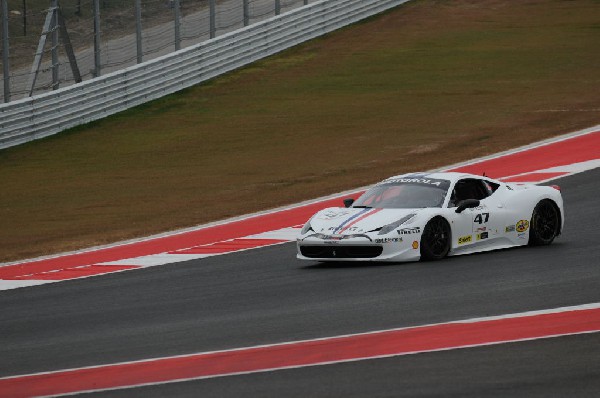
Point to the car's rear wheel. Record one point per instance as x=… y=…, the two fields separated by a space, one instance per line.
x=545 y=223
x=435 y=241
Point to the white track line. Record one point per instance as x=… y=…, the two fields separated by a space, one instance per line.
x=157 y=259
x=567 y=168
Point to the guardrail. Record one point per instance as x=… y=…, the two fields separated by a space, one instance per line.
x=50 y=113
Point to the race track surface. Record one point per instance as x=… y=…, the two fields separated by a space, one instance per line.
x=266 y=296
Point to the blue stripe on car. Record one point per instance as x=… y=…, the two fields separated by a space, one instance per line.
x=350 y=219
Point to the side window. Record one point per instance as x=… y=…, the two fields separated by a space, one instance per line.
x=490 y=186
x=470 y=188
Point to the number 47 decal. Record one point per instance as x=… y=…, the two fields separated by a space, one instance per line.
x=482 y=218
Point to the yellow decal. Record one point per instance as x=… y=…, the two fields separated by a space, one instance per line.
x=522 y=225
x=465 y=239
x=415 y=245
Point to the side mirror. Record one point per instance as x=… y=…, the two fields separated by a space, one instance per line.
x=466 y=204
x=348 y=202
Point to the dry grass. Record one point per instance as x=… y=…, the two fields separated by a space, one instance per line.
x=428 y=84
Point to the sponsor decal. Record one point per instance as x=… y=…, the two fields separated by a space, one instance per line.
x=522 y=235
x=333 y=214
x=418 y=180
x=332 y=238
x=351 y=229
x=414 y=181
x=354 y=229
x=478 y=208
x=522 y=226
x=465 y=239
x=415 y=245
x=481 y=229
x=481 y=236
x=408 y=231
x=510 y=228
x=388 y=240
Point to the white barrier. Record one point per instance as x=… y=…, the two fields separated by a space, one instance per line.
x=40 y=116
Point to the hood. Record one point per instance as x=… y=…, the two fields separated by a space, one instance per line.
x=346 y=221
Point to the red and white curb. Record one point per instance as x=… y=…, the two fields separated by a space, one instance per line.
x=467 y=333
x=537 y=163
x=270 y=238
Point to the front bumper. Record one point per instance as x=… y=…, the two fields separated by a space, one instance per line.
x=360 y=249
x=340 y=251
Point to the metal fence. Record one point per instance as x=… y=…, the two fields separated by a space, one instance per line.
x=108 y=35
x=35 y=117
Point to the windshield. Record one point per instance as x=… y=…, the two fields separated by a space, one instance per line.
x=405 y=193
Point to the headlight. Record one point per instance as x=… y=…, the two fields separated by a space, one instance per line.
x=306 y=228
x=390 y=227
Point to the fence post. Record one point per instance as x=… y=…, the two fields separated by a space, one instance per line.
x=138 y=29
x=24 y=18
x=97 y=63
x=246 y=13
x=213 y=17
x=177 y=26
x=5 y=67
x=54 y=50
x=277 y=7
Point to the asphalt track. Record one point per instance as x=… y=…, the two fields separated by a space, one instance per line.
x=266 y=296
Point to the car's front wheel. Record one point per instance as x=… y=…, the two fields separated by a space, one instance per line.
x=435 y=241
x=545 y=223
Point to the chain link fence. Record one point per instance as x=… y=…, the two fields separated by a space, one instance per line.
x=48 y=44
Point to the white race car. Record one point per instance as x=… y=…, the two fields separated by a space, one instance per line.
x=431 y=215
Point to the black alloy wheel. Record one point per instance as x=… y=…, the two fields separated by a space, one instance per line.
x=435 y=241
x=545 y=223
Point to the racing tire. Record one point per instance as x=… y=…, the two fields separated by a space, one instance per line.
x=545 y=223
x=436 y=238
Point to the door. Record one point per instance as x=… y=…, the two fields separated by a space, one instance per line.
x=479 y=225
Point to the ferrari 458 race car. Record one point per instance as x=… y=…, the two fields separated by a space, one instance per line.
x=431 y=215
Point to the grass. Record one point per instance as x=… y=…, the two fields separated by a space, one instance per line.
x=425 y=85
